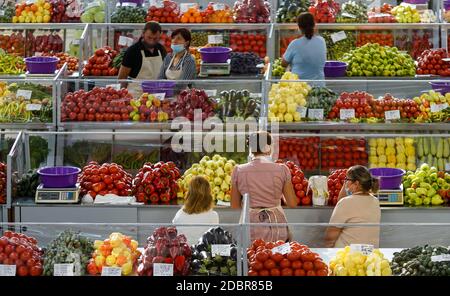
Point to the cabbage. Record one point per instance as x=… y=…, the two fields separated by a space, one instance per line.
x=99 y=17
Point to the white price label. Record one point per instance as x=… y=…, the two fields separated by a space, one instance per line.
x=125 y=41
x=221 y=250
x=215 y=39
x=315 y=114
x=159 y=96
x=282 y=249
x=440 y=258
x=219 y=6
x=2 y=12
x=336 y=37
x=7 y=270
x=348 y=15
x=447 y=166
x=114 y=86
x=28 y=2
x=63 y=269
x=302 y=110
x=162 y=269
x=76 y=42
x=223 y=203
x=255 y=95
x=347 y=114
x=438 y=107
x=128 y=4
x=111 y=271
x=33 y=107
x=392 y=114
x=24 y=93
x=156 y=3
x=184 y=7
x=365 y=249
x=211 y=92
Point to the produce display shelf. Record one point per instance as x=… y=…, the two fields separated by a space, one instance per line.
x=42 y=26
x=190 y=26
x=339 y=126
x=362 y=26
x=328 y=253
x=28 y=126
x=119 y=125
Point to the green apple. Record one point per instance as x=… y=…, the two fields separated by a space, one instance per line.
x=233 y=163
x=216 y=157
x=227 y=198
x=206 y=158
x=217 y=181
x=195 y=165
x=220 y=173
x=194 y=171
x=216 y=190
x=228 y=167
x=200 y=171
x=220 y=163
x=203 y=162
x=209 y=172
x=211 y=164
x=228 y=179
x=225 y=187
x=221 y=195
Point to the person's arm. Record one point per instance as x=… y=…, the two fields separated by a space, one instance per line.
x=290 y=198
x=124 y=72
x=339 y=216
x=128 y=62
x=162 y=72
x=322 y=52
x=288 y=55
x=331 y=236
x=236 y=197
x=189 y=69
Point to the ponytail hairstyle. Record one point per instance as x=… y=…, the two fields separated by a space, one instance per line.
x=306 y=24
x=362 y=175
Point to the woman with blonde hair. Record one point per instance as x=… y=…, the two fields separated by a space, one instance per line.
x=197 y=209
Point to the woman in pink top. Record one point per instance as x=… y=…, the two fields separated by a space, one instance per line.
x=265 y=182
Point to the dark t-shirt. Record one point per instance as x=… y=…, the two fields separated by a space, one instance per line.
x=133 y=57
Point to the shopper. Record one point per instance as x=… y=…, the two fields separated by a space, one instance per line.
x=306 y=55
x=197 y=209
x=180 y=64
x=143 y=60
x=357 y=205
x=265 y=182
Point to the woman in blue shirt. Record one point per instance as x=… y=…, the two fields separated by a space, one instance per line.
x=307 y=54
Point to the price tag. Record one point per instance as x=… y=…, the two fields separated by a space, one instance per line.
x=63 y=269
x=24 y=93
x=221 y=250
x=114 y=86
x=211 y=92
x=282 y=249
x=302 y=110
x=111 y=271
x=76 y=42
x=125 y=41
x=365 y=249
x=28 y=2
x=223 y=203
x=336 y=37
x=447 y=166
x=7 y=270
x=315 y=114
x=128 y=4
x=392 y=115
x=215 y=39
x=2 y=12
x=219 y=6
x=438 y=107
x=159 y=96
x=255 y=95
x=347 y=114
x=440 y=258
x=184 y=7
x=162 y=269
x=33 y=107
x=157 y=4
x=348 y=15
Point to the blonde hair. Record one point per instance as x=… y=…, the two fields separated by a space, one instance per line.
x=199 y=198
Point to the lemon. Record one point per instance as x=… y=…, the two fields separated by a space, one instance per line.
x=15 y=19
x=39 y=19
x=46 y=18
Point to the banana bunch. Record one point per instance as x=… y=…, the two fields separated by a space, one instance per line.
x=434 y=151
x=433 y=107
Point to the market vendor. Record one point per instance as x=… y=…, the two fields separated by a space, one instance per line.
x=143 y=60
x=180 y=64
x=267 y=184
x=306 y=55
x=356 y=204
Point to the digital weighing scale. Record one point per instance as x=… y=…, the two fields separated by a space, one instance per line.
x=214 y=69
x=391 y=197
x=57 y=195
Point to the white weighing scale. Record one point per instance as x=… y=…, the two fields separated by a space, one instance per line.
x=391 y=197
x=57 y=195
x=215 y=69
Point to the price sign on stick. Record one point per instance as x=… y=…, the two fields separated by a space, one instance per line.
x=162 y=269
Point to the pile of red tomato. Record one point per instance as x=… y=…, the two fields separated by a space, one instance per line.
x=300 y=184
x=300 y=261
x=430 y=62
x=325 y=11
x=22 y=251
x=343 y=153
x=335 y=182
x=100 y=64
x=304 y=152
x=249 y=42
x=383 y=38
x=165 y=12
x=359 y=101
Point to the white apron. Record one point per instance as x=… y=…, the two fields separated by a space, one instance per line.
x=149 y=71
x=175 y=74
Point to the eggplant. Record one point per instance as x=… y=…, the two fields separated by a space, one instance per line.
x=208 y=238
x=201 y=247
x=233 y=253
x=204 y=255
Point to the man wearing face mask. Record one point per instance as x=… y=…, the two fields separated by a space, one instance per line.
x=267 y=183
x=144 y=59
x=180 y=64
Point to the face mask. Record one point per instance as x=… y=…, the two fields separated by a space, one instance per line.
x=348 y=192
x=177 y=48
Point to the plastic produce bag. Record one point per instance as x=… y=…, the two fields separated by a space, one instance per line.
x=319 y=188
